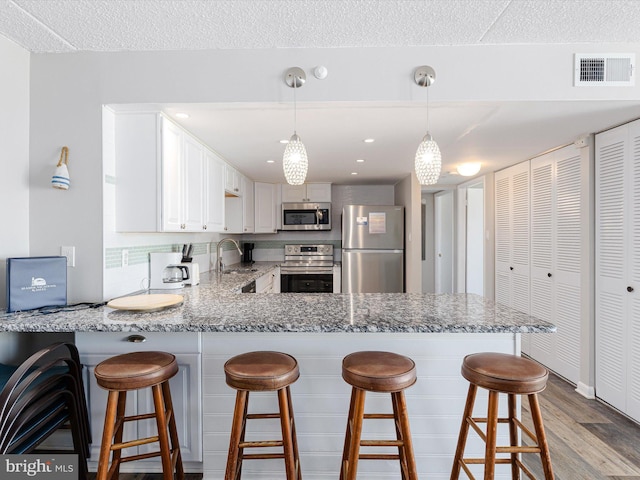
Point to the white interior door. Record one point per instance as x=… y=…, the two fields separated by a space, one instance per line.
x=474 y=249
x=444 y=236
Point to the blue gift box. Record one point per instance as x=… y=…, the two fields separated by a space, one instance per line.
x=34 y=282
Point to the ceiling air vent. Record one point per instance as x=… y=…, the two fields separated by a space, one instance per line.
x=604 y=69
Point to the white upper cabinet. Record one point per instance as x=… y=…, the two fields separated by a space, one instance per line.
x=164 y=182
x=232 y=180
x=308 y=192
x=214 y=192
x=248 y=205
x=265 y=207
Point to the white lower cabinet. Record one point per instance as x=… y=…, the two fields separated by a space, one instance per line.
x=337 y=279
x=269 y=282
x=94 y=347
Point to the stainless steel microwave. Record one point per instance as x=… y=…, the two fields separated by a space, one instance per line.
x=306 y=216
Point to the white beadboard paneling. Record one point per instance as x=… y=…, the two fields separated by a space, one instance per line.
x=321 y=400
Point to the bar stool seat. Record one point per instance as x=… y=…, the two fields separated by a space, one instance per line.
x=134 y=371
x=382 y=372
x=511 y=375
x=259 y=372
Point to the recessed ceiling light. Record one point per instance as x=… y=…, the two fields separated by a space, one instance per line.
x=270 y=161
x=360 y=160
x=369 y=140
x=284 y=141
x=354 y=173
x=182 y=115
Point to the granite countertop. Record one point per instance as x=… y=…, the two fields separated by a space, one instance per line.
x=216 y=306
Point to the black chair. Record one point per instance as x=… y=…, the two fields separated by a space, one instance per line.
x=45 y=393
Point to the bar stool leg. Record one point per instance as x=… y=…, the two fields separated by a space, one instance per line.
x=492 y=431
x=293 y=434
x=285 y=425
x=242 y=435
x=513 y=436
x=396 y=421
x=176 y=451
x=237 y=430
x=407 y=459
x=347 y=438
x=114 y=471
x=163 y=437
x=464 y=431
x=107 y=435
x=545 y=457
x=356 y=434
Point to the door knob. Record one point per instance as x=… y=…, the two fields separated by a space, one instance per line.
x=629 y=289
x=510 y=268
x=549 y=275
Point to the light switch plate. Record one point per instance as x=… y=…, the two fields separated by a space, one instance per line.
x=70 y=253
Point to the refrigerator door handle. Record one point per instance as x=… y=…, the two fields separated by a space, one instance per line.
x=365 y=250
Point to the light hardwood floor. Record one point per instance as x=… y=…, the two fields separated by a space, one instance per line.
x=588 y=439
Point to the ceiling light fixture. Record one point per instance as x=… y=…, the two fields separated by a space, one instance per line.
x=294 y=160
x=354 y=173
x=182 y=115
x=428 y=159
x=369 y=140
x=469 y=169
x=270 y=161
x=360 y=160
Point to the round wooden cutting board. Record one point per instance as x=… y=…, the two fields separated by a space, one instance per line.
x=146 y=303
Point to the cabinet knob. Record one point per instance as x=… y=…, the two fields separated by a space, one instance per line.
x=549 y=275
x=629 y=289
x=225 y=228
x=136 y=339
x=204 y=227
x=510 y=268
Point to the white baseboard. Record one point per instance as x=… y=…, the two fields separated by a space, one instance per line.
x=587 y=391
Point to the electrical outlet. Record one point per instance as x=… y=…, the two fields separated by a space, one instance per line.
x=125 y=258
x=70 y=253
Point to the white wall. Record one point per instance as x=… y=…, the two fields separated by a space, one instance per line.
x=407 y=193
x=14 y=139
x=68 y=90
x=428 y=264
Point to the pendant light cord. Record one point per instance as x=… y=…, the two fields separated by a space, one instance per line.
x=427 y=109
x=295 y=117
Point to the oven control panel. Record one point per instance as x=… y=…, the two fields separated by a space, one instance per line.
x=308 y=250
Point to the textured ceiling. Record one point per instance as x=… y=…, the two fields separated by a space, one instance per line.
x=117 y=25
x=247 y=135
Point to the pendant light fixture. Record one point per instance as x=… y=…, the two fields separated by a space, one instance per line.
x=294 y=160
x=428 y=159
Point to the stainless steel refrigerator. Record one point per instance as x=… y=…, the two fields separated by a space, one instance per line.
x=372 y=248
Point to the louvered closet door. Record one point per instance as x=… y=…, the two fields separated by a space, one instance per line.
x=503 y=236
x=566 y=272
x=512 y=238
x=542 y=244
x=633 y=257
x=555 y=258
x=611 y=267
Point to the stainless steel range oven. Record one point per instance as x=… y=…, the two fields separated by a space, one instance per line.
x=307 y=269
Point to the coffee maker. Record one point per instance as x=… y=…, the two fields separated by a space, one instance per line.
x=165 y=271
x=247 y=252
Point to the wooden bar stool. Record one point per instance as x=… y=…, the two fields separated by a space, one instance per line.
x=378 y=372
x=513 y=375
x=254 y=372
x=133 y=371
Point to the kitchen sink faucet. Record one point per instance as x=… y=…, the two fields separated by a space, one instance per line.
x=219 y=252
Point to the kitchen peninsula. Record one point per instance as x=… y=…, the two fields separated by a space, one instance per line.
x=215 y=323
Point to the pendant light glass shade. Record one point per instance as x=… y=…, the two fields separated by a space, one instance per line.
x=294 y=161
x=428 y=161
